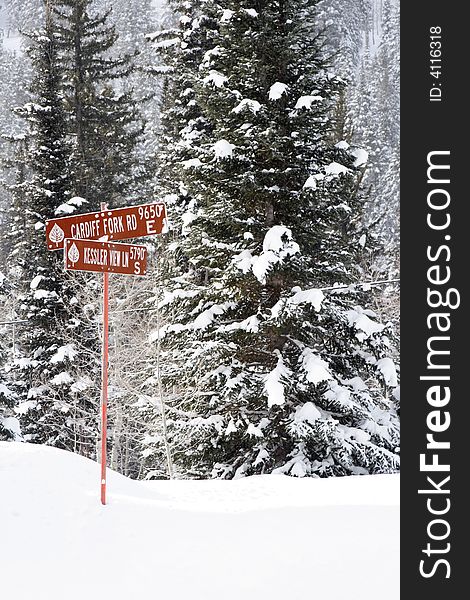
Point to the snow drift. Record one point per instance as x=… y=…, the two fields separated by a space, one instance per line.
x=267 y=537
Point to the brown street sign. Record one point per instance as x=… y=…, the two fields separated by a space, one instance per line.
x=105 y=257
x=108 y=225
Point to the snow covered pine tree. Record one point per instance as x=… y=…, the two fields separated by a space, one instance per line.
x=6 y=408
x=104 y=121
x=82 y=140
x=41 y=378
x=263 y=370
x=7 y=396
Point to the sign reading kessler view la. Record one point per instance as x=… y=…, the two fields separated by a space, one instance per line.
x=105 y=257
x=118 y=224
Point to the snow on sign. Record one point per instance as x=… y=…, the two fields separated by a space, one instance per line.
x=105 y=257
x=108 y=225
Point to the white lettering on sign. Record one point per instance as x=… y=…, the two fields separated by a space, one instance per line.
x=137 y=252
x=151 y=227
x=152 y=211
x=113 y=225
x=95 y=256
x=86 y=230
x=137 y=269
x=131 y=222
x=115 y=258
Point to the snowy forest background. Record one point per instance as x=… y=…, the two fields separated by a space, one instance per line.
x=265 y=337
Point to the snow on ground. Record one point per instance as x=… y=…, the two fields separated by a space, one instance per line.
x=265 y=538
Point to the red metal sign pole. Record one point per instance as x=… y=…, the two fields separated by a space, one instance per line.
x=104 y=379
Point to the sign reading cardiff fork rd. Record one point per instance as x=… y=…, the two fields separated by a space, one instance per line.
x=112 y=225
x=105 y=257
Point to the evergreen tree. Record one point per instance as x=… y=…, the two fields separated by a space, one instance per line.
x=6 y=402
x=374 y=107
x=8 y=423
x=45 y=296
x=386 y=117
x=264 y=371
x=346 y=23
x=13 y=224
x=179 y=49
x=180 y=52
x=102 y=119
x=364 y=35
x=77 y=111
x=14 y=82
x=135 y=20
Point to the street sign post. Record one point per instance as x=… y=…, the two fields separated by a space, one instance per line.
x=104 y=387
x=105 y=257
x=108 y=225
x=88 y=243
